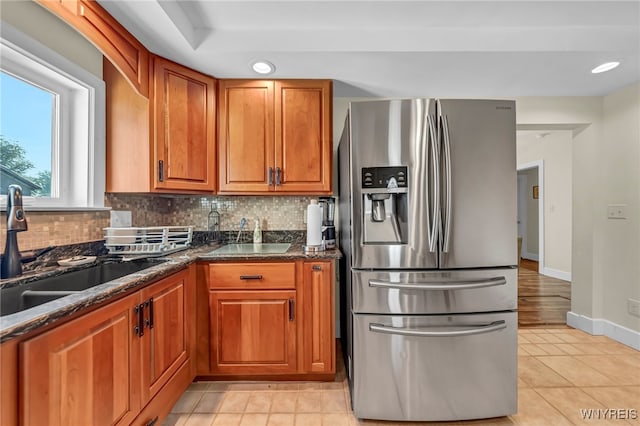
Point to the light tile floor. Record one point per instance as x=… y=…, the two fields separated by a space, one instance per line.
x=561 y=372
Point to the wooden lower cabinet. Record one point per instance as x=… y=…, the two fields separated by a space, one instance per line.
x=79 y=373
x=164 y=345
x=270 y=319
x=253 y=332
x=104 y=367
x=318 y=320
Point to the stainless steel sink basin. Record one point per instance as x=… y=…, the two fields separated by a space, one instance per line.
x=25 y=296
x=265 y=248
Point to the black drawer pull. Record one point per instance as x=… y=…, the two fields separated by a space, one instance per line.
x=292 y=314
x=316 y=268
x=250 y=277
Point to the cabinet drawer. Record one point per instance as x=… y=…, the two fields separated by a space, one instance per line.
x=252 y=275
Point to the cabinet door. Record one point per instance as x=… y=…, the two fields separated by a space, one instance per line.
x=245 y=138
x=184 y=123
x=253 y=332
x=318 y=320
x=79 y=373
x=303 y=134
x=164 y=343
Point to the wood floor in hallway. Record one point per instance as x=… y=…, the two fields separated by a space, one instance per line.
x=542 y=300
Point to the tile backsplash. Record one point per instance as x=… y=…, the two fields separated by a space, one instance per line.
x=277 y=213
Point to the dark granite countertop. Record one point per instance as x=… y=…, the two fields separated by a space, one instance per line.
x=20 y=323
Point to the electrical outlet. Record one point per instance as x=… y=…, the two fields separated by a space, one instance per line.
x=633 y=307
x=617 y=211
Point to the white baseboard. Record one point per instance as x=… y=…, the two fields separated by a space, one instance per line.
x=602 y=327
x=555 y=273
x=529 y=256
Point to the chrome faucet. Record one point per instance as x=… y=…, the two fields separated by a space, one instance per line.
x=243 y=223
x=16 y=222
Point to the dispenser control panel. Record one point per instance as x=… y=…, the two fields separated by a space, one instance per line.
x=379 y=177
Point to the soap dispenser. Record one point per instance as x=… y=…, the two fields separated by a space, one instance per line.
x=257 y=233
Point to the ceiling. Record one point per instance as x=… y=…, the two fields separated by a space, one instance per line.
x=391 y=48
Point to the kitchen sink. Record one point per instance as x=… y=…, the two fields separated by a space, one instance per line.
x=265 y=248
x=28 y=295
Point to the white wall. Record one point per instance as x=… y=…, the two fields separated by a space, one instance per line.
x=554 y=148
x=605 y=170
x=43 y=26
x=618 y=241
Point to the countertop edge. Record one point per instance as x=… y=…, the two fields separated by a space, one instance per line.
x=21 y=323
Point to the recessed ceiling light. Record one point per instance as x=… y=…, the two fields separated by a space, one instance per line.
x=605 y=67
x=263 y=67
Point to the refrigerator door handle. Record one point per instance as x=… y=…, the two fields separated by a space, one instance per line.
x=447 y=191
x=446 y=331
x=435 y=154
x=441 y=285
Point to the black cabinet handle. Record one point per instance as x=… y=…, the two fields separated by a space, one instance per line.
x=292 y=314
x=250 y=277
x=136 y=328
x=161 y=170
x=151 y=312
x=270 y=176
x=152 y=422
x=278 y=176
x=140 y=312
x=316 y=268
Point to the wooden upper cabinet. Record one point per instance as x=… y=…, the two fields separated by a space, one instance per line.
x=245 y=136
x=109 y=36
x=275 y=136
x=184 y=123
x=78 y=373
x=303 y=135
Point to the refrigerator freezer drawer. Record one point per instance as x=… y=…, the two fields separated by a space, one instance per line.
x=433 y=368
x=434 y=292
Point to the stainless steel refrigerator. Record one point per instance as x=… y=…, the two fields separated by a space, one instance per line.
x=428 y=228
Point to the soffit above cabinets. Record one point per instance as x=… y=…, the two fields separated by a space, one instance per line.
x=401 y=48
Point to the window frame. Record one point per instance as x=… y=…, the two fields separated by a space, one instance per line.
x=79 y=151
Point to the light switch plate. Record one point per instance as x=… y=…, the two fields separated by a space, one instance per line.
x=120 y=218
x=617 y=211
x=633 y=307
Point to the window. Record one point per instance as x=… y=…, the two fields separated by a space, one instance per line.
x=27 y=136
x=51 y=127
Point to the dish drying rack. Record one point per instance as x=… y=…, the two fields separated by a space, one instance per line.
x=148 y=240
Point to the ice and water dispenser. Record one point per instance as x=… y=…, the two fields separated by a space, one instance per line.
x=384 y=198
